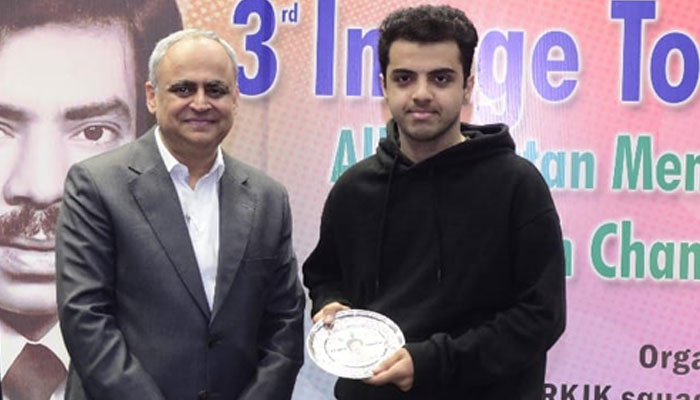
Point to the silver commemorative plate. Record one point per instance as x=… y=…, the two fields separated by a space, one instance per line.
x=357 y=341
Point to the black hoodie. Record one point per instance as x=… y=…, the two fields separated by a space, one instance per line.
x=462 y=250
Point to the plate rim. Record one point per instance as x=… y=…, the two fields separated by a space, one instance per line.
x=350 y=314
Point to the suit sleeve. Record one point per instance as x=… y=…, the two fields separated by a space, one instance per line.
x=519 y=336
x=85 y=292
x=280 y=343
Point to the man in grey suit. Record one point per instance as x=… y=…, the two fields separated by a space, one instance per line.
x=176 y=277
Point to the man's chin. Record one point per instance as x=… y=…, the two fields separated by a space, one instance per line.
x=27 y=265
x=27 y=281
x=35 y=299
x=423 y=134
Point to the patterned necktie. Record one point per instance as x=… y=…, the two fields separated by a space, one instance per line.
x=35 y=374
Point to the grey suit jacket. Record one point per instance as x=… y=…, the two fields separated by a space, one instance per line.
x=131 y=302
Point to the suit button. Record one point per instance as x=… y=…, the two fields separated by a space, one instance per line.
x=213 y=341
x=202 y=395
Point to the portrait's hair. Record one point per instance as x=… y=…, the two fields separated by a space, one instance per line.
x=429 y=24
x=166 y=43
x=146 y=22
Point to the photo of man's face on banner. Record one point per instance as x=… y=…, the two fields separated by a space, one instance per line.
x=71 y=86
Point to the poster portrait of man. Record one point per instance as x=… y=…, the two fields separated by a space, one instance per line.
x=71 y=86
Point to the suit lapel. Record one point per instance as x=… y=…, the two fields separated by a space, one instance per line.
x=155 y=193
x=236 y=209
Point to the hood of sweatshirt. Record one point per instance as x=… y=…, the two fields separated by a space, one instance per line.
x=482 y=141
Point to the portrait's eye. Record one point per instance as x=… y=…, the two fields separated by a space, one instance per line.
x=5 y=132
x=97 y=134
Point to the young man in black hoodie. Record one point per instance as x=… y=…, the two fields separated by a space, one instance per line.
x=445 y=230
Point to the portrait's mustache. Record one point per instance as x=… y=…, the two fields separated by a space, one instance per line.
x=27 y=222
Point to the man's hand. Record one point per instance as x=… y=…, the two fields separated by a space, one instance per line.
x=397 y=369
x=327 y=313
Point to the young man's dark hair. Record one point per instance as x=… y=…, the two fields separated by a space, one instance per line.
x=429 y=24
x=147 y=21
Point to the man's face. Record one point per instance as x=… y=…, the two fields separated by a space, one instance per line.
x=195 y=100
x=66 y=93
x=424 y=89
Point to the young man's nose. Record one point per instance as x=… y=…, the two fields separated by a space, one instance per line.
x=422 y=91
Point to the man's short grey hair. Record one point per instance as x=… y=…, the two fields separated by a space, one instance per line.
x=167 y=42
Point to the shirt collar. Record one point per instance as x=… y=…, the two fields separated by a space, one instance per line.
x=12 y=343
x=173 y=165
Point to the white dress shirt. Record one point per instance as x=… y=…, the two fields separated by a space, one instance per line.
x=12 y=343
x=200 y=207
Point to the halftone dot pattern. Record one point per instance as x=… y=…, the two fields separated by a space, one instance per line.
x=293 y=135
x=205 y=14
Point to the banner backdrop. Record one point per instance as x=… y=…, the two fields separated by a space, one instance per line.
x=602 y=99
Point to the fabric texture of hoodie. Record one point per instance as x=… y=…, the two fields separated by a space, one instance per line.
x=462 y=250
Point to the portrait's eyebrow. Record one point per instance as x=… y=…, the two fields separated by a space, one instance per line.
x=13 y=114
x=115 y=106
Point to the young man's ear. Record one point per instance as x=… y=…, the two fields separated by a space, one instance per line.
x=383 y=81
x=468 y=89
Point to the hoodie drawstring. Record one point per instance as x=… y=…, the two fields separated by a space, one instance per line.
x=436 y=222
